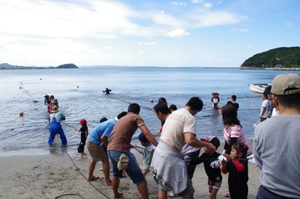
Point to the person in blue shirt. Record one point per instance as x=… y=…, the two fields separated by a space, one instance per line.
x=93 y=144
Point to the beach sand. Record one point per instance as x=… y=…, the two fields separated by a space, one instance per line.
x=63 y=175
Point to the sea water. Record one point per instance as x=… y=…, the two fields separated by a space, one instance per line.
x=79 y=93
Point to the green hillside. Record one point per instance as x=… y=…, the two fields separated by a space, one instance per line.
x=284 y=57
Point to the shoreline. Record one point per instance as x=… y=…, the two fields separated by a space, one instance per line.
x=279 y=69
x=64 y=173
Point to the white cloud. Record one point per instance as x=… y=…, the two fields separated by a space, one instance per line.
x=204 y=18
x=150 y=43
x=250 y=46
x=244 y=30
x=177 y=3
x=219 y=2
x=207 y=5
x=92 y=31
x=197 y=1
x=288 y=24
x=178 y=33
x=147 y=43
x=239 y=30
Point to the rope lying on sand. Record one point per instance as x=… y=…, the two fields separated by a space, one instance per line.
x=78 y=169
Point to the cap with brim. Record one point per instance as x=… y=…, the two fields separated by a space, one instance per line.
x=208 y=139
x=286 y=84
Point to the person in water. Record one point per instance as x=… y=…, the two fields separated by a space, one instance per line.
x=107 y=91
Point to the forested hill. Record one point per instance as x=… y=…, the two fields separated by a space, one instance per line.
x=4 y=66
x=284 y=57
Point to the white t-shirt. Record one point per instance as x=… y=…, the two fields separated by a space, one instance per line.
x=176 y=125
x=275 y=112
x=266 y=103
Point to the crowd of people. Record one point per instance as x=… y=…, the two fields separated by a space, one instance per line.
x=174 y=157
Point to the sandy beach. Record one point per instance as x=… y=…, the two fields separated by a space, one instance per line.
x=63 y=175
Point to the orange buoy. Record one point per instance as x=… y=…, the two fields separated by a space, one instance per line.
x=151 y=100
x=21 y=114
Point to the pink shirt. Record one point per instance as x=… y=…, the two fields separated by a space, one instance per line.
x=235 y=131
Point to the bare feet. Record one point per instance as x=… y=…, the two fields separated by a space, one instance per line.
x=118 y=196
x=108 y=183
x=93 y=178
x=84 y=157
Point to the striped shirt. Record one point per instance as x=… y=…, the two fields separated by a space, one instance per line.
x=235 y=131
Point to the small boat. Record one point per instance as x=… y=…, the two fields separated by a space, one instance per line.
x=259 y=87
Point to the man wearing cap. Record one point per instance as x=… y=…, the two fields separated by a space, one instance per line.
x=277 y=141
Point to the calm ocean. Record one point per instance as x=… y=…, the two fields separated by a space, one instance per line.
x=79 y=93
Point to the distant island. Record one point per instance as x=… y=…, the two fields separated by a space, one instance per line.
x=6 y=66
x=284 y=58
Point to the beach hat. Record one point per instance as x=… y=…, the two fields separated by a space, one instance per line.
x=286 y=84
x=215 y=93
x=123 y=162
x=82 y=122
x=54 y=109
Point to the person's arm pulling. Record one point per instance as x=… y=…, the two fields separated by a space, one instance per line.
x=190 y=139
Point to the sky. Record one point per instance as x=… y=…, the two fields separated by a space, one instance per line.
x=205 y=33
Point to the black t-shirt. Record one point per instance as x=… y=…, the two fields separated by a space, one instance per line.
x=236 y=105
x=213 y=174
x=237 y=182
x=84 y=133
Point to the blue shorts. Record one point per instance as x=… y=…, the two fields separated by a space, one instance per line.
x=133 y=170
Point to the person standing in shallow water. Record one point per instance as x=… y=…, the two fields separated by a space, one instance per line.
x=55 y=127
x=215 y=100
x=233 y=102
x=107 y=91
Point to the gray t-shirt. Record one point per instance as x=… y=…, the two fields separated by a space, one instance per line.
x=276 y=151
